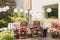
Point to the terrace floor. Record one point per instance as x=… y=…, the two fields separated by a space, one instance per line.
x=39 y=38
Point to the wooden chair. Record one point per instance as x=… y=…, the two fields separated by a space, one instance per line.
x=17 y=34
x=23 y=28
x=36 y=28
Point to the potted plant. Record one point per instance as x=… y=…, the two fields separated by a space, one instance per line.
x=44 y=29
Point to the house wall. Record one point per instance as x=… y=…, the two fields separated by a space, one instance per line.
x=37 y=7
x=38 y=11
x=59 y=12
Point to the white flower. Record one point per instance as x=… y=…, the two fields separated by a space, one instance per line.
x=0 y=9
x=4 y=9
x=45 y=25
x=49 y=10
x=15 y=10
x=7 y=7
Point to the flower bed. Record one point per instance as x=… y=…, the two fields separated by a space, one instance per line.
x=55 y=33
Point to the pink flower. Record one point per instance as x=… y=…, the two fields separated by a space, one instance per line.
x=58 y=25
x=55 y=24
x=57 y=30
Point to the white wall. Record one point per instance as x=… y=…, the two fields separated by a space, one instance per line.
x=19 y=4
x=59 y=11
x=37 y=10
x=37 y=7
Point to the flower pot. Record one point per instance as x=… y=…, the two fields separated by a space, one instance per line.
x=44 y=32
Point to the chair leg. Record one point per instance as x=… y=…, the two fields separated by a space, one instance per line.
x=17 y=36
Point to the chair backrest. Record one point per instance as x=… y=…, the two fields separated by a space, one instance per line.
x=24 y=24
x=36 y=23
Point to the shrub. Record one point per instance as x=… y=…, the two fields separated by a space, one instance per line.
x=3 y=23
x=6 y=36
x=53 y=35
x=22 y=15
x=16 y=18
x=58 y=36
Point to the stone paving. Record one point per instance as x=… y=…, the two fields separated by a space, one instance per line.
x=39 y=38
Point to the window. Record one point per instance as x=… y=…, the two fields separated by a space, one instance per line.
x=53 y=13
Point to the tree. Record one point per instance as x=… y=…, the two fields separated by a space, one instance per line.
x=5 y=15
x=21 y=15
